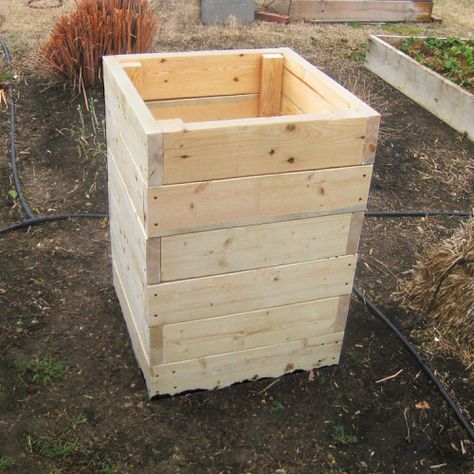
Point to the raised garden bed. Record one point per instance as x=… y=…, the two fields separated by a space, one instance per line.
x=237 y=185
x=442 y=97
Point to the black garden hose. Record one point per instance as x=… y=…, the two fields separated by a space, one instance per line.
x=31 y=219
x=421 y=361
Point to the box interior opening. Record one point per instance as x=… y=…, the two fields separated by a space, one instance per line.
x=224 y=87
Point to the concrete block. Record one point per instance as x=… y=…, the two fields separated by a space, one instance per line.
x=215 y=12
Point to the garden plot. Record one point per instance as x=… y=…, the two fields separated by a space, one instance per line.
x=71 y=395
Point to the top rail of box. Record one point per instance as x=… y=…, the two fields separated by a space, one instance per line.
x=222 y=73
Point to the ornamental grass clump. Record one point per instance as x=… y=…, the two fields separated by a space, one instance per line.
x=97 y=28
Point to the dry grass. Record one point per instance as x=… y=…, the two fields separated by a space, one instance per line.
x=441 y=287
x=95 y=29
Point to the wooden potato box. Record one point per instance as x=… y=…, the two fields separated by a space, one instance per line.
x=237 y=186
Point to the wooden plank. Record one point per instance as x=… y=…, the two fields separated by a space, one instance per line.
x=306 y=99
x=288 y=108
x=206 y=108
x=256 y=200
x=330 y=90
x=131 y=284
x=249 y=290
x=147 y=251
x=199 y=73
x=357 y=222
x=137 y=343
x=243 y=248
x=118 y=156
x=126 y=111
x=342 y=313
x=237 y=332
x=134 y=72
x=441 y=97
x=225 y=369
x=254 y=147
x=357 y=10
x=371 y=137
x=270 y=85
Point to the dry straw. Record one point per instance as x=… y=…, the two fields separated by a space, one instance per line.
x=97 y=28
x=441 y=286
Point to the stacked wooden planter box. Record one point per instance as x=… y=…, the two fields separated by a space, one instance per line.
x=237 y=185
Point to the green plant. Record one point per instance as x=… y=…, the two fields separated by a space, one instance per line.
x=97 y=28
x=51 y=448
x=89 y=138
x=451 y=57
x=13 y=194
x=358 y=54
x=42 y=370
x=4 y=463
x=340 y=435
x=277 y=406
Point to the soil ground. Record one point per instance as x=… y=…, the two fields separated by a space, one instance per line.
x=57 y=299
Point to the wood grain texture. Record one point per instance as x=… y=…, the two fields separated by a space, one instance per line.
x=441 y=97
x=260 y=199
x=357 y=221
x=199 y=73
x=134 y=72
x=220 y=251
x=139 y=350
x=357 y=10
x=249 y=290
x=126 y=111
x=305 y=98
x=225 y=369
x=119 y=158
x=146 y=251
x=237 y=332
x=330 y=90
x=270 y=85
x=206 y=108
x=252 y=147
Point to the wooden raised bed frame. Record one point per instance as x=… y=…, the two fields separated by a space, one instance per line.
x=444 y=99
x=237 y=185
x=354 y=10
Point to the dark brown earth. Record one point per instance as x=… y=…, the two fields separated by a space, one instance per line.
x=56 y=298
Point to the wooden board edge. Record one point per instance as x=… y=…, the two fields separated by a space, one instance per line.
x=352 y=101
x=342 y=313
x=353 y=239
x=437 y=104
x=213 y=372
x=370 y=140
x=138 y=349
x=113 y=69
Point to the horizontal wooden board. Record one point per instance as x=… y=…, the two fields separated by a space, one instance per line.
x=126 y=111
x=306 y=99
x=199 y=74
x=244 y=201
x=441 y=97
x=139 y=348
x=206 y=108
x=249 y=290
x=243 y=248
x=225 y=369
x=330 y=90
x=222 y=150
x=237 y=332
x=146 y=252
x=357 y=10
x=119 y=158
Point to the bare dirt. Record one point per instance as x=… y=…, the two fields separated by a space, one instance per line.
x=56 y=298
